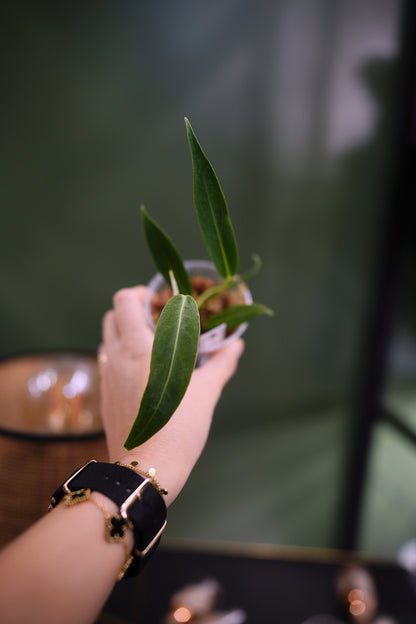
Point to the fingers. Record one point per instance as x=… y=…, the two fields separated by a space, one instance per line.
x=109 y=328
x=125 y=328
x=222 y=365
x=130 y=316
x=102 y=357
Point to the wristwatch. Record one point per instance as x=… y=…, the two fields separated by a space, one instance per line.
x=137 y=497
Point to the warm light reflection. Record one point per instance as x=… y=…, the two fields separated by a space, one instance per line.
x=356 y=594
x=56 y=420
x=65 y=408
x=357 y=607
x=182 y=614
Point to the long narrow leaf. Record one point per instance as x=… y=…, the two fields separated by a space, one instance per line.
x=211 y=207
x=235 y=315
x=165 y=255
x=175 y=348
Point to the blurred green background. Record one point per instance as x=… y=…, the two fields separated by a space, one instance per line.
x=294 y=103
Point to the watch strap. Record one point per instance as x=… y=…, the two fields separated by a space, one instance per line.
x=137 y=497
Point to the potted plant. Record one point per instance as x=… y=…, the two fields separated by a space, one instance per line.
x=190 y=305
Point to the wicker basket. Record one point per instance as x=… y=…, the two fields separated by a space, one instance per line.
x=49 y=425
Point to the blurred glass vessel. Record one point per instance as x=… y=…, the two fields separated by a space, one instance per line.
x=49 y=425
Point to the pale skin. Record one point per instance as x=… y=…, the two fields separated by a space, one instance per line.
x=62 y=569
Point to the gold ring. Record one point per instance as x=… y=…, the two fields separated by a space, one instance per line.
x=102 y=358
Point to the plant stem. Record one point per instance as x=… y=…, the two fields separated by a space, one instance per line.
x=213 y=292
x=228 y=283
x=175 y=288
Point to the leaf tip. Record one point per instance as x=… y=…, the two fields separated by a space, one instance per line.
x=128 y=445
x=190 y=133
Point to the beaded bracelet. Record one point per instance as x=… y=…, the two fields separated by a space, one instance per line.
x=149 y=474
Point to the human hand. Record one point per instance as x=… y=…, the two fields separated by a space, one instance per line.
x=124 y=370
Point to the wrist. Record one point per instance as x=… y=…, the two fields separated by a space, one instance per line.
x=137 y=502
x=149 y=474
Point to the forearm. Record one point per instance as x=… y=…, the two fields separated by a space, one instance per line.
x=62 y=569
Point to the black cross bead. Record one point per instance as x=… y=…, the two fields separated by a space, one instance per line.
x=79 y=495
x=117 y=526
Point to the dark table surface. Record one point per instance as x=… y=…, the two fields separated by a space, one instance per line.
x=271 y=584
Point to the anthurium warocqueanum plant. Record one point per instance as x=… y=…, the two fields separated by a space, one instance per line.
x=175 y=345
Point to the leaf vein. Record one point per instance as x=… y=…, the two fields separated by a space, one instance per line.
x=217 y=230
x=175 y=345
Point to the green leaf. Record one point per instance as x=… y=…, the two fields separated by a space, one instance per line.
x=252 y=272
x=174 y=353
x=165 y=255
x=211 y=207
x=235 y=315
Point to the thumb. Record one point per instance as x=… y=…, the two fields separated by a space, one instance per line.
x=222 y=364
